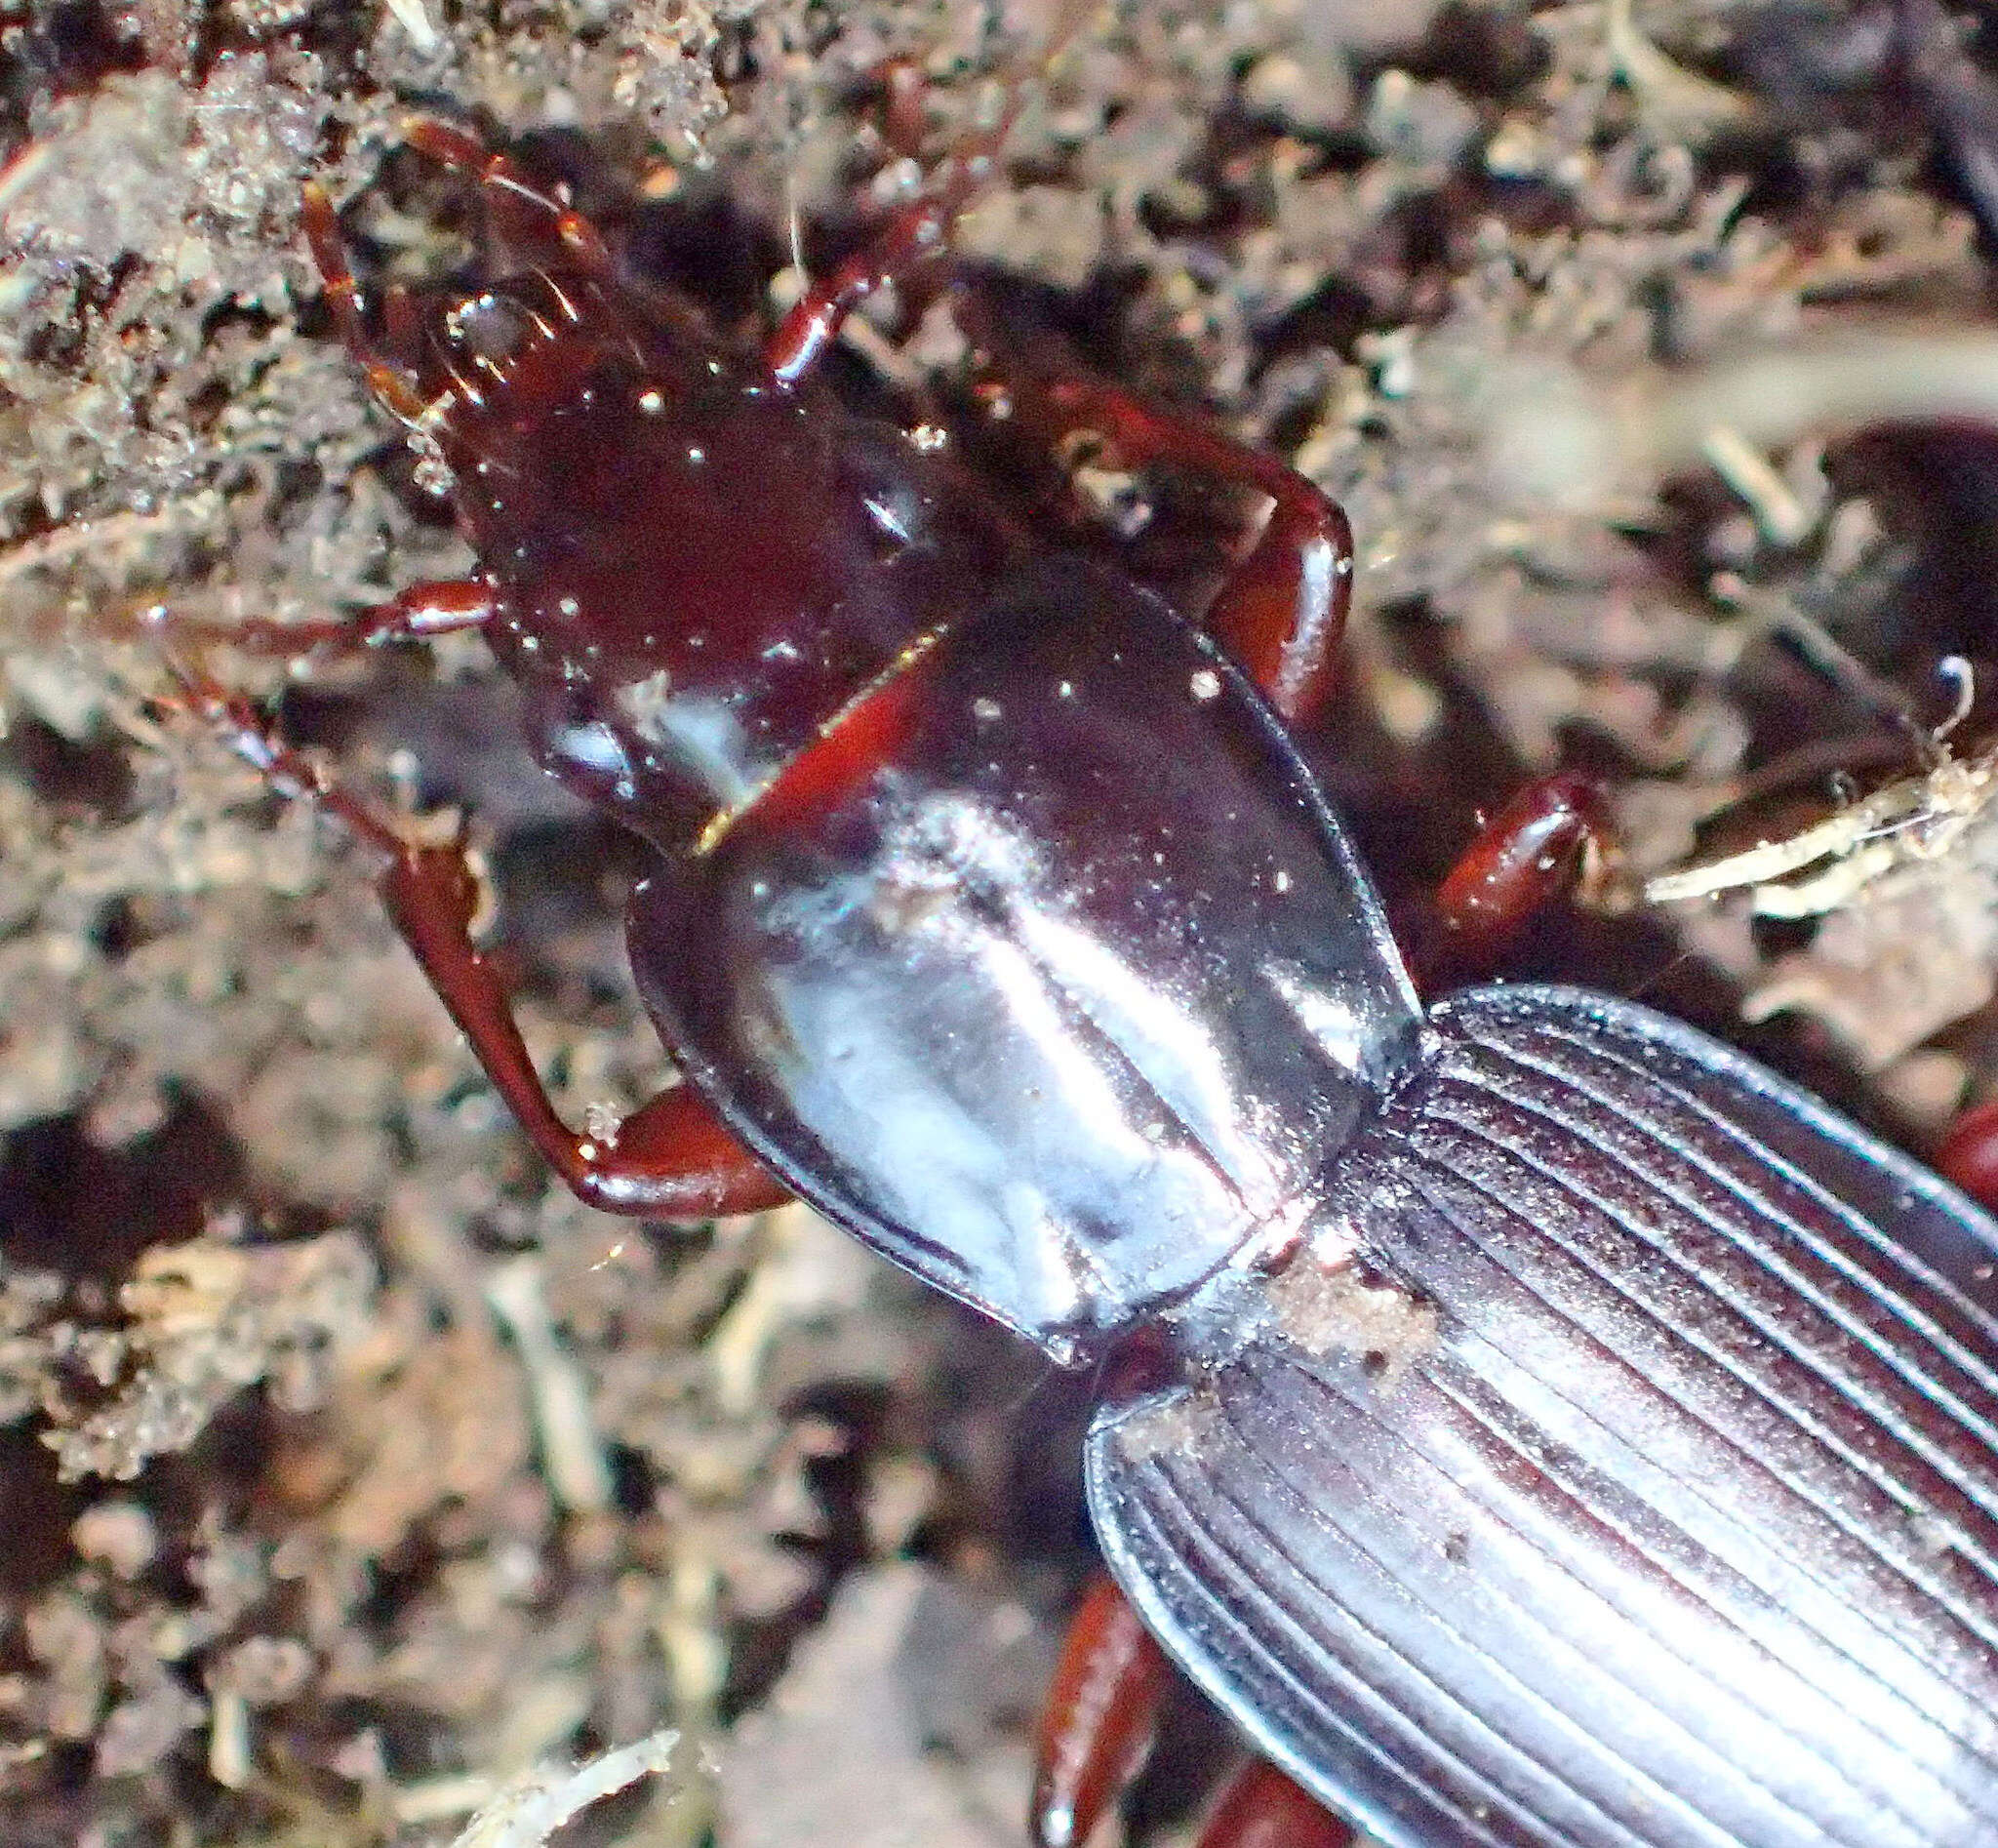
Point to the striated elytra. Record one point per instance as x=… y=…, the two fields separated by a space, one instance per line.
x=1664 y=1514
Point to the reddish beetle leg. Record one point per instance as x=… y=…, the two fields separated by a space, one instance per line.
x=1262 y=1808
x=1282 y=609
x=1968 y=1157
x=1096 y=1730
x=671 y=1158
x=916 y=233
x=1102 y=1711
x=1552 y=841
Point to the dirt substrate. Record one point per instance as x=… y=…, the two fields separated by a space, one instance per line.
x=347 y=1467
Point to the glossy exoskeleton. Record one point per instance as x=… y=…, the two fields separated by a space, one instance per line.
x=1559 y=1432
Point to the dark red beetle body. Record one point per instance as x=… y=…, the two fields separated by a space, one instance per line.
x=697 y=571
x=1087 y=905
x=1573 y=1437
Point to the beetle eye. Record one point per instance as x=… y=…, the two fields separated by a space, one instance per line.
x=488 y=327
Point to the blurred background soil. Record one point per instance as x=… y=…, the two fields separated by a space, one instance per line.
x=347 y=1467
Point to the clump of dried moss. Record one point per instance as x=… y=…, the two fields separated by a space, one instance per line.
x=350 y=1468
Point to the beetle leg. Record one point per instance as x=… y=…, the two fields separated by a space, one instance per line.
x=525 y=218
x=1552 y=840
x=1097 y=1731
x=1968 y=1156
x=386 y=380
x=1262 y=1808
x=415 y=613
x=1096 y=1728
x=1282 y=609
x=915 y=233
x=671 y=1158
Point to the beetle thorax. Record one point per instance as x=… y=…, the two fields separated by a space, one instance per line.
x=700 y=569
x=1060 y=989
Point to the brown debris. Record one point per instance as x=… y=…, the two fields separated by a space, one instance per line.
x=1334 y=1309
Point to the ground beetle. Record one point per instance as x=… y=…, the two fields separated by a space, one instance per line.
x=1552 y=1428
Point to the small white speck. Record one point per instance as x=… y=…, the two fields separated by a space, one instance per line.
x=927 y=436
x=1067 y=690
x=1204 y=684
x=569 y=606
x=1282 y=879
x=652 y=401
x=1344 y=567
x=697 y=455
x=891 y=519
x=985 y=711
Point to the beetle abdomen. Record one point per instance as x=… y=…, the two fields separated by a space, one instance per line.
x=1639 y=1485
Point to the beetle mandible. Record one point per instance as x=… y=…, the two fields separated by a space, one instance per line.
x=1559 y=1432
